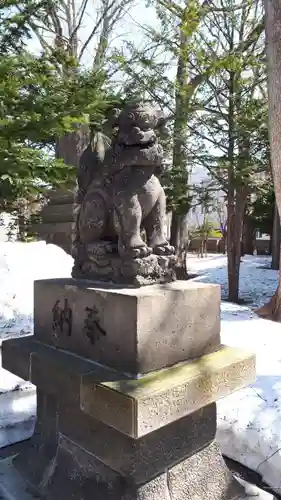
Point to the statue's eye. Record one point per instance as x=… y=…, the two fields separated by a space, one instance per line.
x=144 y=117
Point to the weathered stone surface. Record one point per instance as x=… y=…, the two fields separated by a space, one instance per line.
x=138 y=406
x=136 y=460
x=133 y=330
x=136 y=272
x=141 y=459
x=38 y=456
x=119 y=198
x=167 y=395
x=203 y=476
x=57 y=372
x=58 y=213
x=75 y=474
x=54 y=228
x=14 y=487
x=60 y=196
x=57 y=233
x=16 y=356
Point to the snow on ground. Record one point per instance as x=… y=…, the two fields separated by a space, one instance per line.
x=20 y=265
x=257 y=281
x=249 y=421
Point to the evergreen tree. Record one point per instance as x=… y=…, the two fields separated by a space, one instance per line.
x=175 y=67
x=37 y=106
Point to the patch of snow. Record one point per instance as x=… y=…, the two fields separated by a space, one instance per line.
x=257 y=281
x=249 y=421
x=20 y=265
x=10 y=382
x=17 y=416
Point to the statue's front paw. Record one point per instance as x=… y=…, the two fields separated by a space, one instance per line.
x=145 y=251
x=164 y=250
x=134 y=251
x=139 y=253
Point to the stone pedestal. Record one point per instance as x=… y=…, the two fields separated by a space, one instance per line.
x=127 y=381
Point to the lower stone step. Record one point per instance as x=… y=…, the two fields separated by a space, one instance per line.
x=13 y=487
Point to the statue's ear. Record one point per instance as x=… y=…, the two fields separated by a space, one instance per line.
x=161 y=117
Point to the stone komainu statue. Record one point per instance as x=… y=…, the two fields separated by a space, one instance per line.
x=119 y=198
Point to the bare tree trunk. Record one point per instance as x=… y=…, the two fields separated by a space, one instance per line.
x=179 y=132
x=175 y=238
x=233 y=230
x=248 y=236
x=268 y=310
x=275 y=240
x=21 y=227
x=66 y=21
x=234 y=234
x=273 y=48
x=224 y=241
x=237 y=194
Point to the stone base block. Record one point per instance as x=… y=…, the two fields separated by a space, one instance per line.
x=134 y=407
x=137 y=461
x=13 y=487
x=132 y=330
x=104 y=265
x=74 y=474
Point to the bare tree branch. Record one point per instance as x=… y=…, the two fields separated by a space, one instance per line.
x=79 y=23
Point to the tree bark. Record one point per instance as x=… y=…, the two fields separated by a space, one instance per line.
x=223 y=242
x=234 y=231
x=234 y=236
x=273 y=51
x=268 y=311
x=275 y=240
x=248 y=236
x=21 y=227
x=182 y=98
x=176 y=231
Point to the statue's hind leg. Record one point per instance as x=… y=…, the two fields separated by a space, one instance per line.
x=154 y=225
x=129 y=211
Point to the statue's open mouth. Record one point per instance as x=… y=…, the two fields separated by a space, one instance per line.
x=141 y=145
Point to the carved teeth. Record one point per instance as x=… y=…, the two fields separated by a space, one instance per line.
x=141 y=145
